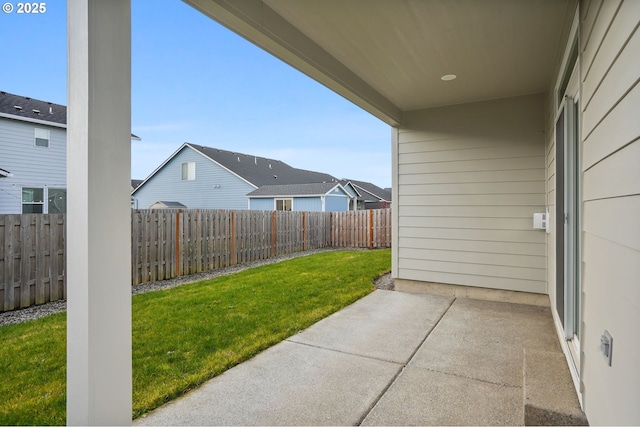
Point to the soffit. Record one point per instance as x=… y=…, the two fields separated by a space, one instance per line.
x=401 y=48
x=387 y=56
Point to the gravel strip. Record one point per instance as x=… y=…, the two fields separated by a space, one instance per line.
x=34 y=312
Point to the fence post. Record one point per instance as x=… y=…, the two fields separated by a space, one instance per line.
x=274 y=234
x=178 y=235
x=330 y=229
x=233 y=239
x=370 y=228
x=304 y=231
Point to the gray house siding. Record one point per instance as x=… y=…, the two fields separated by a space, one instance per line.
x=469 y=179
x=336 y=203
x=223 y=190
x=610 y=76
x=31 y=166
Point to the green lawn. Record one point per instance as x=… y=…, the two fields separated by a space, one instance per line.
x=187 y=335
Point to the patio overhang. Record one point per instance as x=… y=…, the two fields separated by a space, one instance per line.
x=389 y=57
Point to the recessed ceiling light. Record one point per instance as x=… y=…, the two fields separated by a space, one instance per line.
x=448 y=77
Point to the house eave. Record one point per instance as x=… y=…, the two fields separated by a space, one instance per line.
x=47 y=123
x=258 y=23
x=31 y=120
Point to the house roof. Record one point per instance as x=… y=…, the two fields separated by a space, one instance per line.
x=175 y=205
x=136 y=182
x=23 y=107
x=316 y=189
x=368 y=190
x=261 y=171
x=34 y=110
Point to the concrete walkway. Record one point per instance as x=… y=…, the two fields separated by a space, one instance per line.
x=391 y=358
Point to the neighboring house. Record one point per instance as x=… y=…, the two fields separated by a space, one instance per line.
x=33 y=146
x=543 y=115
x=367 y=195
x=322 y=197
x=209 y=178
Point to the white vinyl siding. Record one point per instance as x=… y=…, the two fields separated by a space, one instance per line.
x=610 y=74
x=31 y=166
x=469 y=179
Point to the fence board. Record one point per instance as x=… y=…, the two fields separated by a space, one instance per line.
x=30 y=271
x=169 y=243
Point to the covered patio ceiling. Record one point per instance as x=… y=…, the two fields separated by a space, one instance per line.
x=388 y=56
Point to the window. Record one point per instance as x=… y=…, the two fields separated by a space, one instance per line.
x=56 y=200
x=32 y=200
x=42 y=137
x=189 y=171
x=284 y=204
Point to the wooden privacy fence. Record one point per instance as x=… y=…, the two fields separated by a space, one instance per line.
x=32 y=260
x=169 y=243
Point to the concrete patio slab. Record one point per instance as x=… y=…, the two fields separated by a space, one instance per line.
x=528 y=325
x=549 y=397
x=385 y=325
x=484 y=340
x=423 y=397
x=391 y=358
x=289 y=384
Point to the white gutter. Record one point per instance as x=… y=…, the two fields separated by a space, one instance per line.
x=47 y=123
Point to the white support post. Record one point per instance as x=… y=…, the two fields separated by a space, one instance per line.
x=99 y=213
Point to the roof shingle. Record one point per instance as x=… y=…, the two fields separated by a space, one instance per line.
x=29 y=108
x=261 y=171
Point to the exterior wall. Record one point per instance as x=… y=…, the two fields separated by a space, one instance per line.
x=30 y=165
x=307 y=204
x=213 y=188
x=336 y=203
x=610 y=74
x=469 y=178
x=261 y=204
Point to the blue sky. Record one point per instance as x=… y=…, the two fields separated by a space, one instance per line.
x=193 y=80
